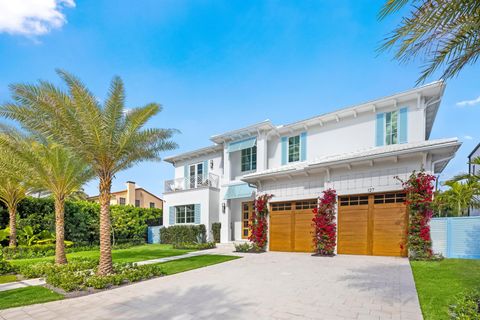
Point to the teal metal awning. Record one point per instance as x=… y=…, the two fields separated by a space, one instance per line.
x=239 y=191
x=242 y=144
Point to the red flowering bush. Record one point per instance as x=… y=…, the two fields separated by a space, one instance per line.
x=419 y=189
x=325 y=233
x=259 y=224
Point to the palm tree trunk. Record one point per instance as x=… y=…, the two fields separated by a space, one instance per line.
x=12 y=212
x=105 y=265
x=60 y=257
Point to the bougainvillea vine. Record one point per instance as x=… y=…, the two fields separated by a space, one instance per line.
x=324 y=223
x=258 y=222
x=419 y=189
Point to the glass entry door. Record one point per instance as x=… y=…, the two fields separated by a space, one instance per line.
x=196 y=175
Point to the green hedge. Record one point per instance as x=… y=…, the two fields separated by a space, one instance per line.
x=46 y=250
x=82 y=220
x=183 y=234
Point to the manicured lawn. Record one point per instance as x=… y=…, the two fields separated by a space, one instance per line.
x=439 y=282
x=185 y=264
x=133 y=254
x=8 y=278
x=26 y=296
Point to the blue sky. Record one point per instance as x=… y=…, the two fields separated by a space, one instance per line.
x=221 y=65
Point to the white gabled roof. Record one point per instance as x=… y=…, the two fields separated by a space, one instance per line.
x=193 y=154
x=359 y=155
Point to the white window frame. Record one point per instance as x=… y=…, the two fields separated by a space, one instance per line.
x=299 y=148
x=184 y=207
x=196 y=175
x=389 y=138
x=251 y=169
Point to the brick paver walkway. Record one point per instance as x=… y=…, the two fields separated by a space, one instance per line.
x=271 y=285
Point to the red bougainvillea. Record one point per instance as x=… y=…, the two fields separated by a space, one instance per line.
x=258 y=222
x=325 y=227
x=419 y=189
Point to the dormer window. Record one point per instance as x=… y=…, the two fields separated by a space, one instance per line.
x=294 y=148
x=391 y=127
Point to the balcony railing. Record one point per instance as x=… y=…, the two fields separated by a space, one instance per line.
x=192 y=182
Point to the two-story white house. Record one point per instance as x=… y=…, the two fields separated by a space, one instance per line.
x=359 y=151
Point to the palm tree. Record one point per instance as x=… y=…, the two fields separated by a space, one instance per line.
x=460 y=196
x=52 y=168
x=13 y=188
x=446 y=33
x=109 y=137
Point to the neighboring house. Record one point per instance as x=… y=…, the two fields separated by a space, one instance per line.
x=474 y=169
x=134 y=196
x=359 y=151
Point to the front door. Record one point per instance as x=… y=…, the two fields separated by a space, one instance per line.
x=247 y=209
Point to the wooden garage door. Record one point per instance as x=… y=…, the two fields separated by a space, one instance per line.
x=291 y=225
x=372 y=224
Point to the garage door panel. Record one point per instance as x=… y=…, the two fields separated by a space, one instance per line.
x=280 y=232
x=303 y=231
x=375 y=229
x=352 y=230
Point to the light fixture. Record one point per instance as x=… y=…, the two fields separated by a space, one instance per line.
x=211 y=164
x=223 y=207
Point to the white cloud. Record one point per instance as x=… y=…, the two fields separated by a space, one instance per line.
x=32 y=17
x=467 y=137
x=468 y=102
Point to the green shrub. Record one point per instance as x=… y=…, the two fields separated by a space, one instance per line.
x=216 y=227
x=243 y=247
x=248 y=247
x=37 y=251
x=80 y=274
x=467 y=307
x=82 y=220
x=194 y=246
x=5 y=267
x=183 y=234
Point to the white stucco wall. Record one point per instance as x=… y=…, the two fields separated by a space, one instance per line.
x=349 y=134
x=206 y=197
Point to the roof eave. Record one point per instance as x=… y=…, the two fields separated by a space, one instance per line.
x=327 y=164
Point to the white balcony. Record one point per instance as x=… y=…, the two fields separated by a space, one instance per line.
x=193 y=182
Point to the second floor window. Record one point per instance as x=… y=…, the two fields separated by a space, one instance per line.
x=391 y=127
x=137 y=203
x=152 y=205
x=122 y=201
x=185 y=214
x=294 y=149
x=249 y=159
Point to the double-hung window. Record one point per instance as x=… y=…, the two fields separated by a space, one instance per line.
x=294 y=148
x=122 y=201
x=185 y=214
x=391 y=127
x=249 y=159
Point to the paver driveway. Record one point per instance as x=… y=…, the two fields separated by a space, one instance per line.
x=271 y=285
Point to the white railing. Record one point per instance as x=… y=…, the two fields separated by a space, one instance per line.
x=192 y=182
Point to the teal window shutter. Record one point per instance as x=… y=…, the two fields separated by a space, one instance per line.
x=303 y=146
x=379 y=132
x=171 y=215
x=205 y=168
x=403 y=125
x=284 y=150
x=197 y=213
